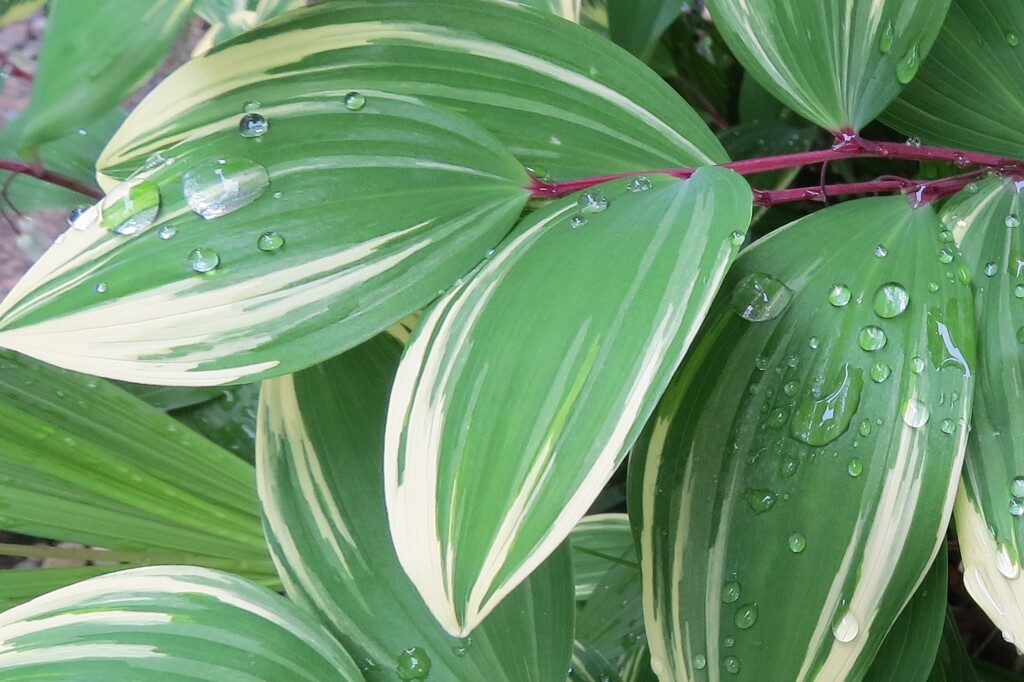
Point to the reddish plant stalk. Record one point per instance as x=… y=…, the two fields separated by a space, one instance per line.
x=51 y=177
x=13 y=69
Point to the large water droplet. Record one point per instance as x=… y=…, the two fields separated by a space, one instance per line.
x=1018 y=291
x=881 y=251
x=872 y=338
x=203 y=259
x=915 y=413
x=839 y=295
x=880 y=371
x=413 y=664
x=759 y=297
x=1012 y=39
x=736 y=238
x=253 y=125
x=1012 y=220
x=746 y=616
x=907 y=67
x=700 y=661
x=1016 y=507
x=269 y=242
x=354 y=101
x=797 y=543
x=945 y=255
x=991 y=269
x=760 y=500
x=864 y=428
x=592 y=201
x=640 y=183
x=167 y=232
x=216 y=187
x=1006 y=562
x=130 y=207
x=819 y=422
x=1017 y=486
x=891 y=299
x=855 y=468
x=844 y=625
x=731 y=665
x=730 y=591
x=885 y=38
x=947 y=426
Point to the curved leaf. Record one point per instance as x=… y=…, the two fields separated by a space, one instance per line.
x=561 y=98
x=952 y=664
x=863 y=51
x=967 y=93
x=167 y=622
x=612 y=620
x=320 y=439
x=599 y=542
x=522 y=389
x=368 y=221
x=637 y=24
x=588 y=665
x=797 y=478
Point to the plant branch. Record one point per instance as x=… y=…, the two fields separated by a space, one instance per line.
x=13 y=69
x=921 y=193
x=50 y=177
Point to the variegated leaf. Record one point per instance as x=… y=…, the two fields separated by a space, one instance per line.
x=797 y=478
x=991 y=500
x=864 y=51
x=238 y=257
x=167 y=623
x=563 y=100
x=599 y=542
x=588 y=665
x=321 y=435
x=523 y=387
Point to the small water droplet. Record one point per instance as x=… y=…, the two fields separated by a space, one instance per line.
x=592 y=201
x=1012 y=39
x=737 y=238
x=864 y=428
x=1017 y=486
x=880 y=372
x=971 y=188
x=76 y=213
x=945 y=255
x=728 y=641
x=463 y=646
x=759 y=297
x=991 y=269
x=640 y=183
x=203 y=259
x=915 y=413
x=253 y=125
x=933 y=287
x=700 y=661
x=963 y=274
x=790 y=388
x=1007 y=564
x=872 y=338
x=881 y=251
x=961 y=161
x=855 y=468
x=731 y=665
x=916 y=365
x=101 y=288
x=1016 y=507
x=1012 y=220
x=891 y=299
x=788 y=466
x=251 y=105
x=885 y=38
x=814 y=342
x=1018 y=291
x=1020 y=334
x=413 y=664
x=577 y=221
x=746 y=616
x=730 y=592
x=906 y=69
x=354 y=101
x=167 y=232
x=948 y=426
x=844 y=625
x=760 y=500
x=269 y=242
x=839 y=295
x=797 y=543
x=130 y=207
x=761 y=363
x=216 y=187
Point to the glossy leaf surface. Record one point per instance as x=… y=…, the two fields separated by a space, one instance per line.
x=249 y=256
x=796 y=480
x=167 y=623
x=522 y=388
x=864 y=51
x=320 y=443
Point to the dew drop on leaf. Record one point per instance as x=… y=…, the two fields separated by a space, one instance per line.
x=354 y=101
x=203 y=259
x=844 y=625
x=991 y=269
x=101 y=288
x=881 y=251
x=1016 y=507
x=251 y=105
x=855 y=468
x=577 y=221
x=907 y=67
x=1017 y=486
x=413 y=664
x=886 y=37
x=1005 y=562
x=839 y=295
x=1018 y=291
x=880 y=371
x=731 y=665
x=759 y=297
x=819 y=422
x=167 y=232
x=253 y=125
x=640 y=183
x=760 y=500
x=945 y=255
x=797 y=543
x=864 y=428
x=891 y=299
x=947 y=426
x=76 y=213
x=130 y=207
x=915 y=413
x=1012 y=220
x=916 y=365
x=700 y=661
x=872 y=338
x=269 y=242
x=592 y=201
x=215 y=187
x=813 y=342
x=746 y=616
x=730 y=592
x=1012 y=39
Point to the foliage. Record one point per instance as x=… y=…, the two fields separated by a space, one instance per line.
x=454 y=322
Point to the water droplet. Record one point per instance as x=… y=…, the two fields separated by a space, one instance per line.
x=797 y=543
x=203 y=259
x=269 y=242
x=963 y=274
x=1018 y=291
x=1007 y=564
x=881 y=251
x=855 y=468
x=413 y=664
x=737 y=238
x=948 y=426
x=130 y=207
x=1007 y=637
x=1017 y=486
x=819 y=422
x=1016 y=507
x=167 y=232
x=880 y=372
x=730 y=592
x=760 y=500
x=839 y=295
x=872 y=338
x=844 y=625
x=354 y=101
x=700 y=661
x=933 y=287
x=759 y=297
x=101 y=288
x=728 y=641
x=891 y=299
x=577 y=221
x=1012 y=39
x=731 y=665
x=76 y=213
x=463 y=646
x=885 y=38
x=991 y=269
x=916 y=365
x=915 y=413
x=907 y=67
x=746 y=616
x=864 y=428
x=946 y=236
x=814 y=342
x=1012 y=220
x=945 y=255
x=253 y=125
x=640 y=183
x=592 y=201
x=961 y=161
x=792 y=362
x=216 y=187
x=790 y=388
x=251 y=105
x=761 y=363
x=971 y=188
x=788 y=466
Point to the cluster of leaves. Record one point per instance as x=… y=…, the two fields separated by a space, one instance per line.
x=432 y=239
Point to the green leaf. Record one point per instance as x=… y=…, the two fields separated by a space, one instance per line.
x=838 y=64
x=229 y=18
x=16 y=10
x=770 y=138
x=988 y=507
x=612 y=620
x=320 y=442
x=91 y=61
x=793 y=486
x=599 y=542
x=561 y=98
x=167 y=623
x=566 y=9
x=637 y=24
x=172 y=397
x=965 y=94
x=952 y=664
x=637 y=667
x=229 y=420
x=910 y=646
x=425 y=195
x=522 y=388
x=588 y=665
x=85 y=462
x=18 y=586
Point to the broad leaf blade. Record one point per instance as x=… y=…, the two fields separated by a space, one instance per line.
x=521 y=389
x=637 y=24
x=952 y=664
x=372 y=218
x=967 y=93
x=18 y=585
x=167 y=622
x=793 y=486
x=91 y=61
x=838 y=64
x=321 y=437
x=559 y=97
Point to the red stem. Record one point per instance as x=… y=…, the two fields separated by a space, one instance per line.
x=13 y=69
x=51 y=177
x=922 y=192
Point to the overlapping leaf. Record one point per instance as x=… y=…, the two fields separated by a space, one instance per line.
x=952 y=664
x=561 y=98
x=796 y=480
x=269 y=253
x=522 y=388
x=599 y=542
x=168 y=622
x=838 y=64
x=637 y=26
x=967 y=93
x=321 y=438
